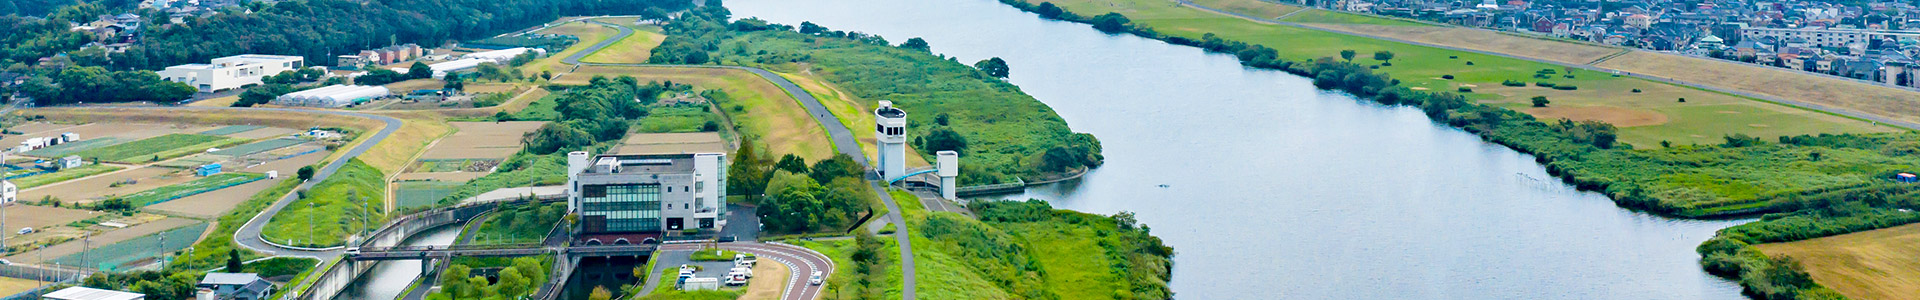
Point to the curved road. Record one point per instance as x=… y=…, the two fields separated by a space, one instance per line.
x=249 y=235
x=843 y=140
x=801 y=263
x=1766 y=98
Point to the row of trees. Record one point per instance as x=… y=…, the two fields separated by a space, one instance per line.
x=521 y=278
x=76 y=84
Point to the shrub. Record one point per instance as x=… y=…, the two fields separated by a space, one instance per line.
x=1542 y=84
x=1466 y=89
x=1513 y=83
x=1540 y=101
x=1453 y=57
x=1683 y=100
x=1446 y=76
x=1636 y=90
x=1469 y=63
x=1565 y=87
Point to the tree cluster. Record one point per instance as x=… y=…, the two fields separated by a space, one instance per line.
x=798 y=202
x=76 y=84
x=602 y=110
x=521 y=278
x=155 y=284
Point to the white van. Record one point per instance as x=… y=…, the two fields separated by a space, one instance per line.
x=815 y=279
x=743 y=271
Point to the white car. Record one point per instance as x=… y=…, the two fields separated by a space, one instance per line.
x=744 y=271
x=815 y=279
x=736 y=279
x=26 y=230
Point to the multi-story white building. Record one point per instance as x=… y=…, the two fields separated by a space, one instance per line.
x=652 y=186
x=1827 y=37
x=232 y=72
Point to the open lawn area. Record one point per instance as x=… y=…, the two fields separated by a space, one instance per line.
x=1424 y=68
x=1255 y=8
x=763 y=111
x=352 y=199
x=1867 y=98
x=677 y=118
x=1339 y=17
x=1877 y=264
x=633 y=49
x=10 y=285
x=158 y=148
x=853 y=112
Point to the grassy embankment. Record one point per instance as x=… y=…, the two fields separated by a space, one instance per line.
x=352 y=199
x=1646 y=118
x=64 y=175
x=1006 y=132
x=1815 y=185
x=517 y=224
x=632 y=49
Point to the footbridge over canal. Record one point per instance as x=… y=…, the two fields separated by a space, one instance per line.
x=340 y=273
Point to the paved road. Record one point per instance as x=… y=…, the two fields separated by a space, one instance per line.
x=801 y=261
x=249 y=235
x=843 y=141
x=1802 y=104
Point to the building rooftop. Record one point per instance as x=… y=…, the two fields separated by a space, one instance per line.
x=86 y=293
x=671 y=143
x=230 y=278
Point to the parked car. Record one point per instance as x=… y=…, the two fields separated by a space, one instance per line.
x=815 y=279
x=736 y=279
x=26 y=230
x=743 y=270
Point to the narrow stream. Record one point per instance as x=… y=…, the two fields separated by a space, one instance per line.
x=1274 y=189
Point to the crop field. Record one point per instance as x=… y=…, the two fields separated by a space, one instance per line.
x=130 y=253
x=1421 y=67
x=1483 y=40
x=257 y=147
x=399 y=150
x=1877 y=264
x=264 y=133
x=1255 y=8
x=423 y=193
x=62 y=175
x=489 y=140
x=158 y=148
x=36 y=216
x=197 y=186
x=218 y=202
x=108 y=186
x=759 y=108
x=228 y=130
x=633 y=49
x=455 y=165
x=62 y=150
x=127 y=131
x=10 y=285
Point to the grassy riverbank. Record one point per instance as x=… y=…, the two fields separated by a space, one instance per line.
x=353 y=199
x=1809 y=185
x=1002 y=132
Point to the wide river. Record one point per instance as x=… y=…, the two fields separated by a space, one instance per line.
x=1278 y=190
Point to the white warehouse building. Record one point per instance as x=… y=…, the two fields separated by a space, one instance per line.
x=332 y=96
x=502 y=55
x=440 y=70
x=231 y=72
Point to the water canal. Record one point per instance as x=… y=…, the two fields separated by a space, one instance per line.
x=1277 y=190
x=388 y=279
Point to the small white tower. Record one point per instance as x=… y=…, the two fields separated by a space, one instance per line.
x=949 y=170
x=890 y=130
x=576 y=163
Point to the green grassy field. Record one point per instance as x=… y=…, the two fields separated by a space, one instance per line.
x=190 y=188
x=352 y=199
x=423 y=193
x=632 y=49
x=681 y=118
x=1423 y=68
x=63 y=175
x=540 y=109
x=1255 y=8
x=62 y=150
x=158 y=148
x=518 y=225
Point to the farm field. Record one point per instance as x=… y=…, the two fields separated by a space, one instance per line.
x=218 y=202
x=258 y=147
x=398 y=150
x=10 y=285
x=102 y=187
x=632 y=49
x=265 y=133
x=134 y=252
x=423 y=193
x=62 y=150
x=128 y=131
x=763 y=111
x=36 y=216
x=1420 y=67
x=1877 y=264
x=492 y=140
x=158 y=148
x=62 y=175
x=190 y=188
x=56 y=252
x=231 y=129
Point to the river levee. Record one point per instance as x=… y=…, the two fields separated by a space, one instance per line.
x=1270 y=188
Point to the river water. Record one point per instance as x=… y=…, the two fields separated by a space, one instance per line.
x=390 y=278
x=1277 y=190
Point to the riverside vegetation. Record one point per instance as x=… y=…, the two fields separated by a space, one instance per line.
x=1003 y=133
x=1806 y=186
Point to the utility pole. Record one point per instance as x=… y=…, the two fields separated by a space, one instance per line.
x=309 y=220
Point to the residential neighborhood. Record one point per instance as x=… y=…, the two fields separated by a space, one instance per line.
x=1870 y=41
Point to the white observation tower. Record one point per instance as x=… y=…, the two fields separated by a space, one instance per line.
x=890 y=130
